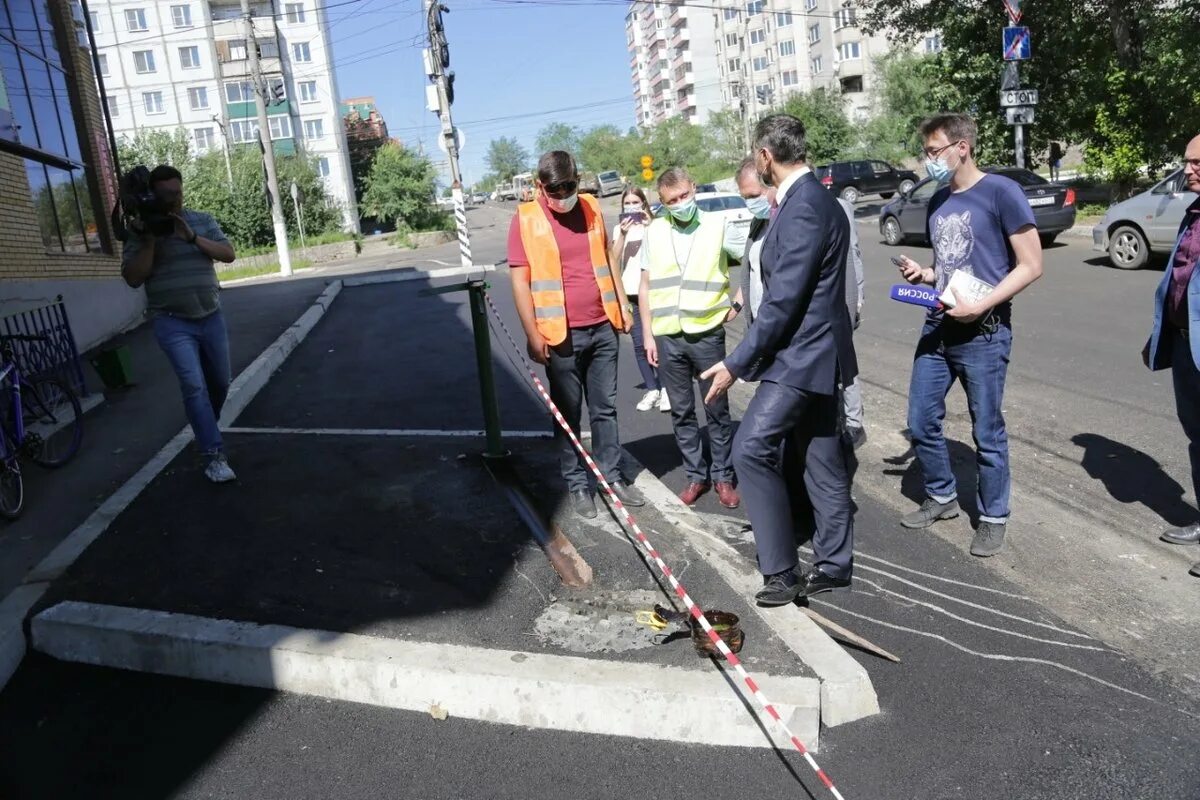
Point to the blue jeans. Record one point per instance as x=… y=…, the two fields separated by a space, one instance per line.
x=584 y=366
x=649 y=373
x=198 y=350
x=946 y=353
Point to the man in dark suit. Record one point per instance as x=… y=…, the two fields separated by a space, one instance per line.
x=799 y=348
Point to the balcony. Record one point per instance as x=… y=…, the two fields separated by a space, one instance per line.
x=850 y=68
x=680 y=35
x=678 y=13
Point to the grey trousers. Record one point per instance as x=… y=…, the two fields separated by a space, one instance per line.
x=681 y=359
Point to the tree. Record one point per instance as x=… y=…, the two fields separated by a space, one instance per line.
x=604 y=148
x=363 y=140
x=829 y=133
x=156 y=146
x=558 y=136
x=726 y=136
x=506 y=157
x=400 y=187
x=907 y=91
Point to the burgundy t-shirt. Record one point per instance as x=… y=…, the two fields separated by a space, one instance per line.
x=1186 y=256
x=584 y=306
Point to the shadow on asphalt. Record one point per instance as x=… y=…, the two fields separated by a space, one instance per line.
x=912 y=479
x=1132 y=476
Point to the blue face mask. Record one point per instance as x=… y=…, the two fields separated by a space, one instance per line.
x=683 y=211
x=759 y=206
x=936 y=168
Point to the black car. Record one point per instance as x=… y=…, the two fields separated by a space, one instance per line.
x=1053 y=207
x=850 y=180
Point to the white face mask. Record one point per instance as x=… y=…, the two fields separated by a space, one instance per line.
x=564 y=205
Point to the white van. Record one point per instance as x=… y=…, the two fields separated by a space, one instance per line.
x=609 y=183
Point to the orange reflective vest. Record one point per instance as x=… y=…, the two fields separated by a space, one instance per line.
x=545 y=268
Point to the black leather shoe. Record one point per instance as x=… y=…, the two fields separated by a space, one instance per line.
x=1186 y=535
x=779 y=589
x=584 y=503
x=627 y=494
x=816 y=581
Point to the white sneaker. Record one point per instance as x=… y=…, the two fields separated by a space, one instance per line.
x=218 y=469
x=664 y=402
x=649 y=400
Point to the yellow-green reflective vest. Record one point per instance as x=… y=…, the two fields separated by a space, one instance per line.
x=693 y=297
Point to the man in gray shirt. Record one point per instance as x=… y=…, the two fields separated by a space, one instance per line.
x=182 y=295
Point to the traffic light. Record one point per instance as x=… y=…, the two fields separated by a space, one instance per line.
x=278 y=92
x=764 y=94
x=450 y=88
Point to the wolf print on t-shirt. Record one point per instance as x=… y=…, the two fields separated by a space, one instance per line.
x=953 y=243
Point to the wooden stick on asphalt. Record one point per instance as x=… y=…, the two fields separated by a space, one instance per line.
x=853 y=637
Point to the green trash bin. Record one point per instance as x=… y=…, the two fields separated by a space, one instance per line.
x=113 y=367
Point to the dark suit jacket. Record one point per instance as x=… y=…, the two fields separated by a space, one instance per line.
x=801 y=336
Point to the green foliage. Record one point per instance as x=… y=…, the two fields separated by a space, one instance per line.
x=558 y=136
x=908 y=90
x=506 y=157
x=829 y=132
x=604 y=147
x=156 y=146
x=400 y=187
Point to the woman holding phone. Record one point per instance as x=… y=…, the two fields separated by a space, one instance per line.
x=626 y=245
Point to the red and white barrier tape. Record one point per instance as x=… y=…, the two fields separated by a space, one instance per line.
x=692 y=608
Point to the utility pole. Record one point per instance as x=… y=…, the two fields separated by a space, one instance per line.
x=264 y=143
x=225 y=148
x=437 y=60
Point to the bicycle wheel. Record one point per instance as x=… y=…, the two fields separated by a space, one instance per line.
x=12 y=488
x=53 y=421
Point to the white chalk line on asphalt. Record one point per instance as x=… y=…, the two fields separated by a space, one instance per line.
x=386 y=432
x=964 y=584
x=965 y=621
x=976 y=606
x=1003 y=657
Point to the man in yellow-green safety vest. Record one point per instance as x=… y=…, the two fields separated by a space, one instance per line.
x=685 y=301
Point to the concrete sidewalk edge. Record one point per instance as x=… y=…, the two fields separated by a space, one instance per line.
x=241 y=392
x=847 y=693
x=526 y=689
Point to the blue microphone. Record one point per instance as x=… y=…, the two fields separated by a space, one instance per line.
x=916 y=295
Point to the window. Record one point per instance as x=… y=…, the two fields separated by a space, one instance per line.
x=198 y=97
x=267 y=48
x=817 y=66
x=143 y=61
x=731 y=40
x=735 y=65
x=787 y=48
x=814 y=33
x=301 y=53
x=152 y=102
x=237 y=50
x=204 y=139
x=314 y=129
x=135 y=19
x=280 y=127
x=246 y=130
x=758 y=36
x=791 y=78
x=760 y=63
x=663 y=65
x=933 y=44
x=323 y=167
x=181 y=16
x=848 y=51
x=294 y=12
x=810 y=5
x=844 y=18
x=189 y=57
x=731 y=13
x=113 y=109
x=240 y=92
x=103 y=59
x=783 y=19
x=95 y=17
x=754 y=7
x=852 y=84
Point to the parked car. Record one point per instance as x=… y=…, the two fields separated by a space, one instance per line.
x=609 y=183
x=1145 y=223
x=850 y=180
x=737 y=216
x=588 y=183
x=1053 y=207
x=479 y=198
x=706 y=188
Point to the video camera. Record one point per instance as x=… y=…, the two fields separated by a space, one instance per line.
x=139 y=203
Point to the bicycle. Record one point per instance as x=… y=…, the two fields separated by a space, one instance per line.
x=43 y=421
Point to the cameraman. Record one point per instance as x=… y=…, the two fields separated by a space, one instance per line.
x=176 y=267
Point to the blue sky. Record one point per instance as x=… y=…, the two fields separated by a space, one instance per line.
x=510 y=58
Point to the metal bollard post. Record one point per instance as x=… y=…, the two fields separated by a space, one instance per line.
x=483 y=362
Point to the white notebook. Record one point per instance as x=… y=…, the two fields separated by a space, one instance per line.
x=968 y=287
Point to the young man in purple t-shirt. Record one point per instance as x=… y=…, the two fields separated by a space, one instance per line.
x=981 y=225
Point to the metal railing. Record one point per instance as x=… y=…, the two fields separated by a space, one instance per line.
x=55 y=354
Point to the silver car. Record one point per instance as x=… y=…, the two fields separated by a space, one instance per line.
x=1145 y=223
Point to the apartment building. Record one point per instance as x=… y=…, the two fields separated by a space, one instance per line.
x=170 y=64
x=764 y=50
x=673 y=62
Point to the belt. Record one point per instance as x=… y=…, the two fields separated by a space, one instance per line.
x=1184 y=333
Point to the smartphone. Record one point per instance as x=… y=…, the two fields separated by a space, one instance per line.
x=899 y=262
x=636 y=216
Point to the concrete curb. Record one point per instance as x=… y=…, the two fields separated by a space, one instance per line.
x=13 y=611
x=241 y=392
x=419 y=275
x=527 y=689
x=1079 y=231
x=847 y=693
